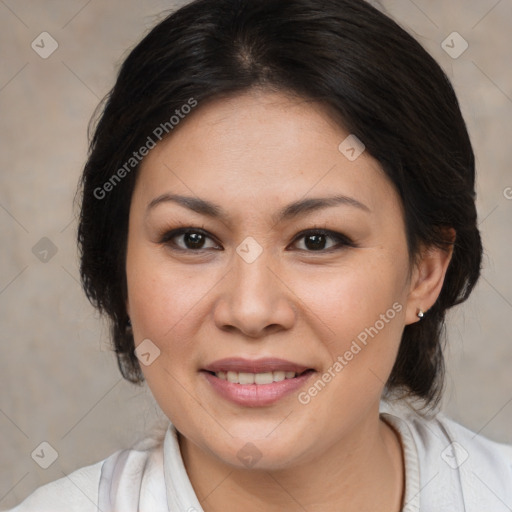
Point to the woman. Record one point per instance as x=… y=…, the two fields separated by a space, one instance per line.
x=278 y=209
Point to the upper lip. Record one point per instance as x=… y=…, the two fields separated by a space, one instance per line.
x=264 y=365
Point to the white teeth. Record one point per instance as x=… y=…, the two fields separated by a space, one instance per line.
x=279 y=376
x=262 y=378
x=246 y=378
x=255 y=378
x=233 y=377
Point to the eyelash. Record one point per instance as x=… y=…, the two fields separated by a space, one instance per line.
x=342 y=240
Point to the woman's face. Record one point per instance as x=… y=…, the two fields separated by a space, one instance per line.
x=254 y=178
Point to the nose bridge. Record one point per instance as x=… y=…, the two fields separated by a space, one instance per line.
x=252 y=297
x=251 y=274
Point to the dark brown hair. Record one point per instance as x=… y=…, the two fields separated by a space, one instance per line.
x=346 y=54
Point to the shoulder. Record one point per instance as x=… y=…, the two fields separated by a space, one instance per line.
x=76 y=491
x=455 y=463
x=133 y=474
x=458 y=444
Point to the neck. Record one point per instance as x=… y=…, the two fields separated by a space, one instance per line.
x=363 y=471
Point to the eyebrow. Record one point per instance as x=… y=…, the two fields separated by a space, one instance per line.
x=292 y=210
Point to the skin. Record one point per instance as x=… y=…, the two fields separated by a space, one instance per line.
x=252 y=155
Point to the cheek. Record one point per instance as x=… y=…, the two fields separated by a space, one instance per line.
x=363 y=308
x=360 y=308
x=168 y=305
x=163 y=299
x=352 y=296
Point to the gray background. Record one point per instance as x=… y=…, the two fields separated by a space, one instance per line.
x=60 y=381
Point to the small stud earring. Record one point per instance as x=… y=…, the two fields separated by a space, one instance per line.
x=420 y=314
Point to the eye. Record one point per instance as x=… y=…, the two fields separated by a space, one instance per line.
x=316 y=240
x=188 y=239
x=195 y=240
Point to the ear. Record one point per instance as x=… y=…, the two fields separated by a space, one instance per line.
x=428 y=277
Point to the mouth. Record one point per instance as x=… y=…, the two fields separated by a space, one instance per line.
x=248 y=378
x=256 y=366
x=255 y=383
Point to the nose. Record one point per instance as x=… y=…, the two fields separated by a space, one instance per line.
x=253 y=299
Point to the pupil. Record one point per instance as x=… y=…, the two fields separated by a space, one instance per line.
x=194 y=240
x=316 y=242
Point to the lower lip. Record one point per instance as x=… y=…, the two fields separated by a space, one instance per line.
x=256 y=395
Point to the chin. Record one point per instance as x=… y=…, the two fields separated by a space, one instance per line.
x=257 y=452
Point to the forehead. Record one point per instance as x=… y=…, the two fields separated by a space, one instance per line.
x=259 y=147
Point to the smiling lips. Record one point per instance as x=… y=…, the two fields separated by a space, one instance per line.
x=239 y=364
x=255 y=383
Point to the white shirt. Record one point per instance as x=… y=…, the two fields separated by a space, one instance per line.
x=448 y=468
